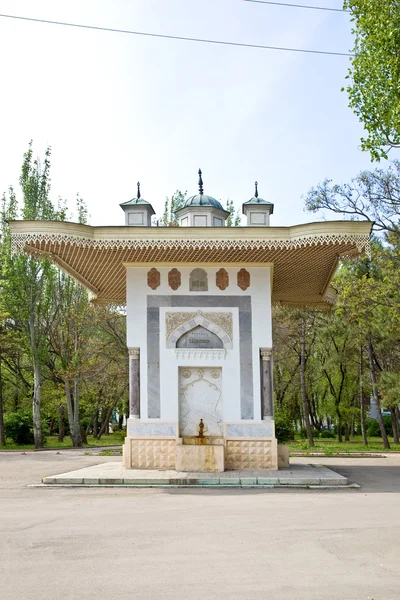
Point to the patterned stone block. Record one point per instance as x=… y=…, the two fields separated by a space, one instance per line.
x=248 y=454
x=153 y=454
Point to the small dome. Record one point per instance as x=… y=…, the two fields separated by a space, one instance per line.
x=136 y=201
x=256 y=200
x=203 y=200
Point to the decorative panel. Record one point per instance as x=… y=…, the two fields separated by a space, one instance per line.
x=153 y=278
x=174 y=279
x=222 y=279
x=153 y=454
x=243 y=279
x=200 y=397
x=198 y=281
x=248 y=454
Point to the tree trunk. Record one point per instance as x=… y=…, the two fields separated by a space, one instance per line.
x=306 y=412
x=339 y=426
x=347 y=433
x=83 y=435
x=2 y=430
x=397 y=413
x=96 y=423
x=362 y=408
x=395 y=425
x=37 y=385
x=77 y=441
x=74 y=433
x=61 y=423
x=376 y=395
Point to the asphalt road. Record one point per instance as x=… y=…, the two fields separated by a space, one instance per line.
x=182 y=544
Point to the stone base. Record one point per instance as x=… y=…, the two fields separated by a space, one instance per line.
x=205 y=458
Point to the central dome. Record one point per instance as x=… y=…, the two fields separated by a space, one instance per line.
x=203 y=200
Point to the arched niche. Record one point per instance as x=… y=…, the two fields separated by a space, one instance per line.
x=198 y=281
x=191 y=324
x=199 y=337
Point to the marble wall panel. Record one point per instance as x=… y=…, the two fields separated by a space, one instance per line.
x=243 y=303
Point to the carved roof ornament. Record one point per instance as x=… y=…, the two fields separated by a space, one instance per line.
x=243 y=279
x=153 y=278
x=174 y=279
x=222 y=279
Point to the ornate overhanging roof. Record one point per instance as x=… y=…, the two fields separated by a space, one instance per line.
x=304 y=257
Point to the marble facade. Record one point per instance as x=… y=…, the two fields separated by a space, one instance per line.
x=203 y=349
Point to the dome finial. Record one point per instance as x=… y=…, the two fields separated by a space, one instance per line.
x=138 y=190
x=256 y=192
x=200 y=184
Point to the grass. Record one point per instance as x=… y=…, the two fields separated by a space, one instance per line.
x=331 y=447
x=112 y=439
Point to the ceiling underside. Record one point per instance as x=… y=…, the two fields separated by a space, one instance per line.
x=300 y=274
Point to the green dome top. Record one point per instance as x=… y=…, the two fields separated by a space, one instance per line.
x=203 y=200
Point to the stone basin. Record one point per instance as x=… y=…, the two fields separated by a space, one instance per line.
x=200 y=454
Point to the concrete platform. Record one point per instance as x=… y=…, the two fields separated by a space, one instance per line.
x=114 y=474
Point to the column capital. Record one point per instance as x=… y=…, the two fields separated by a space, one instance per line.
x=134 y=353
x=266 y=353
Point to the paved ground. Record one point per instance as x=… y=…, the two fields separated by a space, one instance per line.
x=155 y=544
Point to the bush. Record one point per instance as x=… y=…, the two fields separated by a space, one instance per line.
x=373 y=429
x=303 y=433
x=19 y=427
x=283 y=427
x=327 y=434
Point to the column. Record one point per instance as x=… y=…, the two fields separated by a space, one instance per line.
x=134 y=383
x=267 y=395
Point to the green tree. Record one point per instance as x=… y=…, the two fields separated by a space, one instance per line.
x=27 y=281
x=171 y=206
x=234 y=218
x=374 y=88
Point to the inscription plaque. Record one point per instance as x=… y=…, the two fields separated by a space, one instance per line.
x=199 y=337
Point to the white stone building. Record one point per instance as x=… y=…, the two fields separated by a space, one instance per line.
x=198 y=302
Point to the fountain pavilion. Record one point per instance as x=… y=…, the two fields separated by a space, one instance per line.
x=198 y=304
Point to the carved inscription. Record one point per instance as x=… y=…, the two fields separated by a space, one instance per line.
x=153 y=278
x=174 y=279
x=199 y=337
x=198 y=281
x=243 y=279
x=222 y=279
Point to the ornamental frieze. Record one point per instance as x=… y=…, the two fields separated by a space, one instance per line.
x=174 y=320
x=153 y=278
x=174 y=279
x=222 y=279
x=243 y=279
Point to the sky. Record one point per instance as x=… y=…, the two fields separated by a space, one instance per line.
x=118 y=108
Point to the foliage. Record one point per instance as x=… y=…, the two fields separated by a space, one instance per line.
x=374 y=429
x=327 y=433
x=372 y=195
x=171 y=206
x=234 y=218
x=19 y=427
x=375 y=73
x=283 y=426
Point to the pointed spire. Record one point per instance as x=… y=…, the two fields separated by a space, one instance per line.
x=256 y=192
x=200 y=184
x=138 y=190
